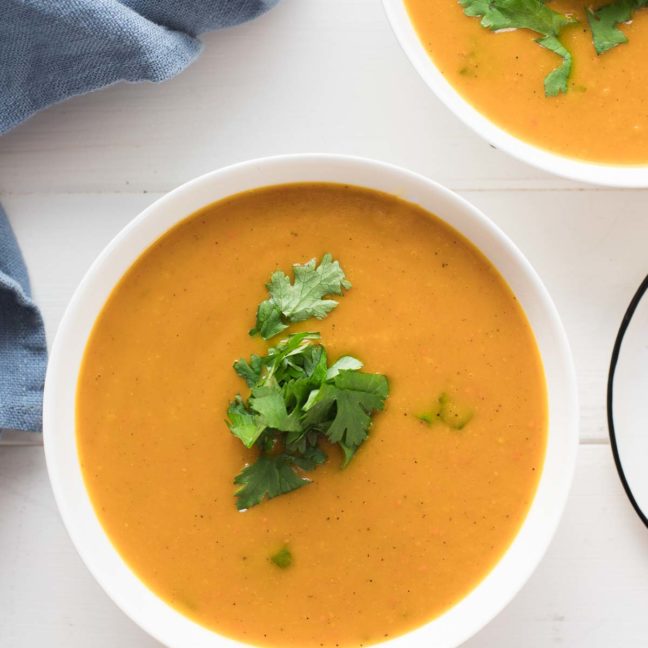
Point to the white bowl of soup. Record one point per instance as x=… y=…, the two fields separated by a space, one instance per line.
x=594 y=129
x=434 y=524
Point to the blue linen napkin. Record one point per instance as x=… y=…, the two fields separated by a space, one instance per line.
x=51 y=50
x=23 y=352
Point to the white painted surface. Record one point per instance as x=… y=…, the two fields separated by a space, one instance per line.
x=323 y=75
x=630 y=405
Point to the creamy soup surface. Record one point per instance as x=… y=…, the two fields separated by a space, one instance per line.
x=419 y=516
x=602 y=118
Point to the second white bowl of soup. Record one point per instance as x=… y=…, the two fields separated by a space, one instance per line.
x=594 y=128
x=468 y=411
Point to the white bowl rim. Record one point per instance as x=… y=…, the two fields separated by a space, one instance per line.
x=612 y=175
x=155 y=616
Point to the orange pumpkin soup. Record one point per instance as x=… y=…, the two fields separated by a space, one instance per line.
x=603 y=115
x=419 y=516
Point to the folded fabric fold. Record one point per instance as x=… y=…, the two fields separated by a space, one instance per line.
x=23 y=350
x=50 y=51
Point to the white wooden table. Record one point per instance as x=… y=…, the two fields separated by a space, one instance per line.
x=318 y=75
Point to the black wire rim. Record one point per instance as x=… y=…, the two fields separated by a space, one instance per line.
x=610 y=398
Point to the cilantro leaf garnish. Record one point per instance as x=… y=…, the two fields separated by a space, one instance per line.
x=267 y=406
x=556 y=81
x=269 y=403
x=296 y=399
x=269 y=476
x=605 y=20
x=295 y=402
x=528 y=14
x=249 y=371
x=243 y=423
x=536 y=16
x=341 y=364
x=301 y=300
x=517 y=14
x=283 y=558
x=342 y=408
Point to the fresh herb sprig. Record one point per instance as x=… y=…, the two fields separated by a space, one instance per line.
x=301 y=300
x=536 y=16
x=604 y=23
x=297 y=400
x=528 y=14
